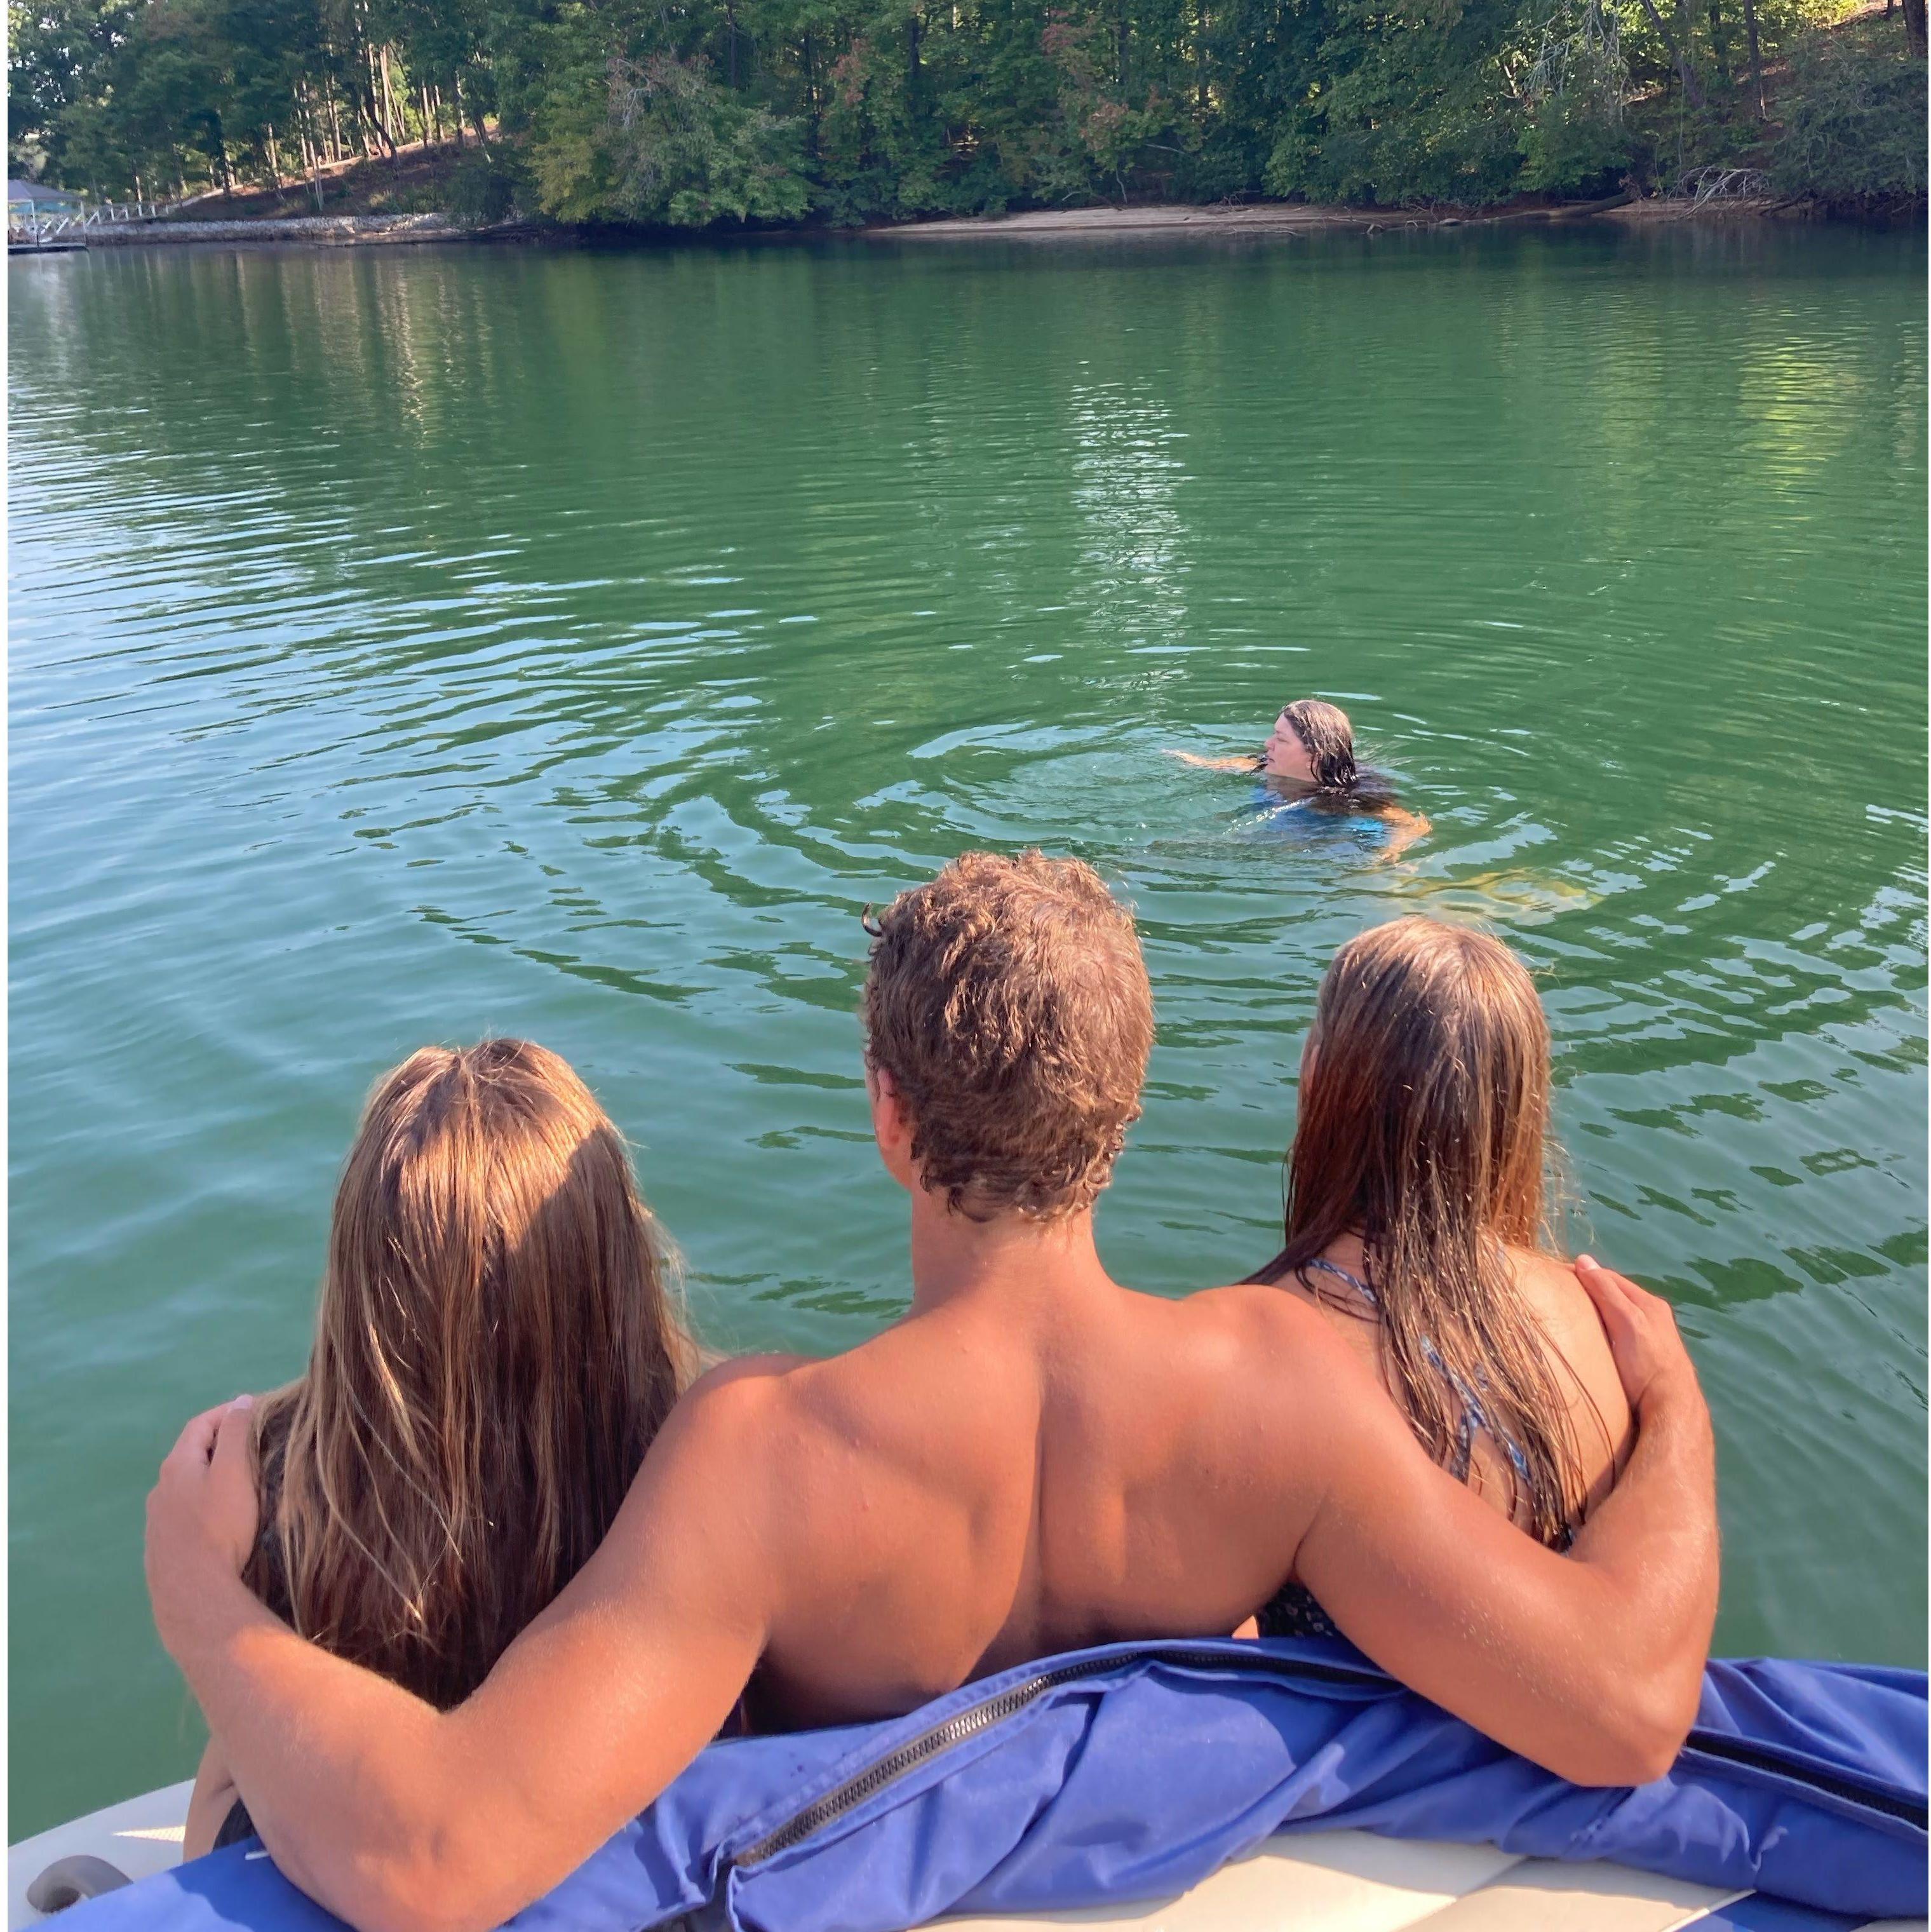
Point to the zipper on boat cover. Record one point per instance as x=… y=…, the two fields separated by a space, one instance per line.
x=976 y=1717
x=1843 y=1784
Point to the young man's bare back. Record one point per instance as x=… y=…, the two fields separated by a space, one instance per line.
x=1034 y=1458
x=1074 y=1463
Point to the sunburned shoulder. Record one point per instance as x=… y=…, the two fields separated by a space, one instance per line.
x=737 y=1370
x=748 y=1430
x=1255 y=1380
x=1251 y=1325
x=789 y=1407
x=737 y=1395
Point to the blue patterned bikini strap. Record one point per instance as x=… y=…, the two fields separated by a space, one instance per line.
x=1353 y=1281
x=1474 y=1417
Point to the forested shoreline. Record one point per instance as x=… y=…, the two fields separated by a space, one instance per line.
x=690 y=113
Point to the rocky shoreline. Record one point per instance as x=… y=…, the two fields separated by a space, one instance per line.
x=1264 y=218
x=329 y=230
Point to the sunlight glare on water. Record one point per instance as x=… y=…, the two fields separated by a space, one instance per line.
x=408 y=645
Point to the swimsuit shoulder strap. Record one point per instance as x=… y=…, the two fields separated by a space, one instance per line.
x=1474 y=1416
x=1321 y=1265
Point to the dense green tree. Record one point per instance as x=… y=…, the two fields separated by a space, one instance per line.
x=690 y=112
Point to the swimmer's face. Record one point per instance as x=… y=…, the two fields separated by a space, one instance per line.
x=1285 y=755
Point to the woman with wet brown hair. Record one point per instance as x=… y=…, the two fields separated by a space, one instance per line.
x=1308 y=762
x=497 y=1344
x=1416 y=1220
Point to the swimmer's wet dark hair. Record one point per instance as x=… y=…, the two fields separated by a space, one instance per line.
x=1329 y=739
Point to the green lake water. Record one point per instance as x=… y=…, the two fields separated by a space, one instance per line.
x=408 y=645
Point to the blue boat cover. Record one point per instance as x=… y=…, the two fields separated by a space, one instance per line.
x=1132 y=1771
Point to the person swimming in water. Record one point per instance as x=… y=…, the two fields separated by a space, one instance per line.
x=1309 y=763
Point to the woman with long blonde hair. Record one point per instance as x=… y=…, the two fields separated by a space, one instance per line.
x=1416 y=1220
x=497 y=1344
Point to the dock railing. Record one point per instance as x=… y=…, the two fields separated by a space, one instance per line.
x=33 y=224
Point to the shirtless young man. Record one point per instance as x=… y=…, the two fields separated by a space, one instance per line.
x=1034 y=1458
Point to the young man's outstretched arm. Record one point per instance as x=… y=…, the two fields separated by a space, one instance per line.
x=1589 y=1663
x=395 y=1816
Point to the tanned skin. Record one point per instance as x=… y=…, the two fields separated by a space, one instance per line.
x=1034 y=1459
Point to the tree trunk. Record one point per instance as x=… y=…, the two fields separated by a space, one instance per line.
x=1756 y=54
x=391 y=120
x=1914 y=27
x=1692 y=92
x=372 y=107
x=1123 y=32
x=311 y=151
x=372 y=102
x=813 y=107
x=1719 y=44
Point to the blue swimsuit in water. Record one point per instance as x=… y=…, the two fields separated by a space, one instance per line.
x=1314 y=815
x=1292 y=1611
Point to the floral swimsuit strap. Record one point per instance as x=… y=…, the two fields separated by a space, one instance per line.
x=1474 y=1417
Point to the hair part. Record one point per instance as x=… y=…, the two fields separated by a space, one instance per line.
x=497 y=1342
x=1422 y=1129
x=1008 y=1003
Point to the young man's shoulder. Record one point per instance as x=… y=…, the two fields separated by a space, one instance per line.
x=729 y=1407
x=1254 y=1310
x=797 y=1419
x=1252 y=1336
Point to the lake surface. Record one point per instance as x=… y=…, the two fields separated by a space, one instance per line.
x=409 y=645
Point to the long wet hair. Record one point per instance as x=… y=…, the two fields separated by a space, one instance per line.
x=1339 y=782
x=1422 y=1129
x=1328 y=739
x=496 y=1345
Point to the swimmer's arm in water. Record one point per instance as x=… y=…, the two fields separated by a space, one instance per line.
x=1403 y=829
x=1249 y=763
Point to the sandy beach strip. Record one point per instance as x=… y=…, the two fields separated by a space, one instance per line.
x=1283 y=217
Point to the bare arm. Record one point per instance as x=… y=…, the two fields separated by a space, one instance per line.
x=1247 y=764
x=208 y=1804
x=1405 y=827
x=395 y=1815
x=1590 y=1663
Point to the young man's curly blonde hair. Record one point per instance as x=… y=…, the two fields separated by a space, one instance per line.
x=1008 y=1003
